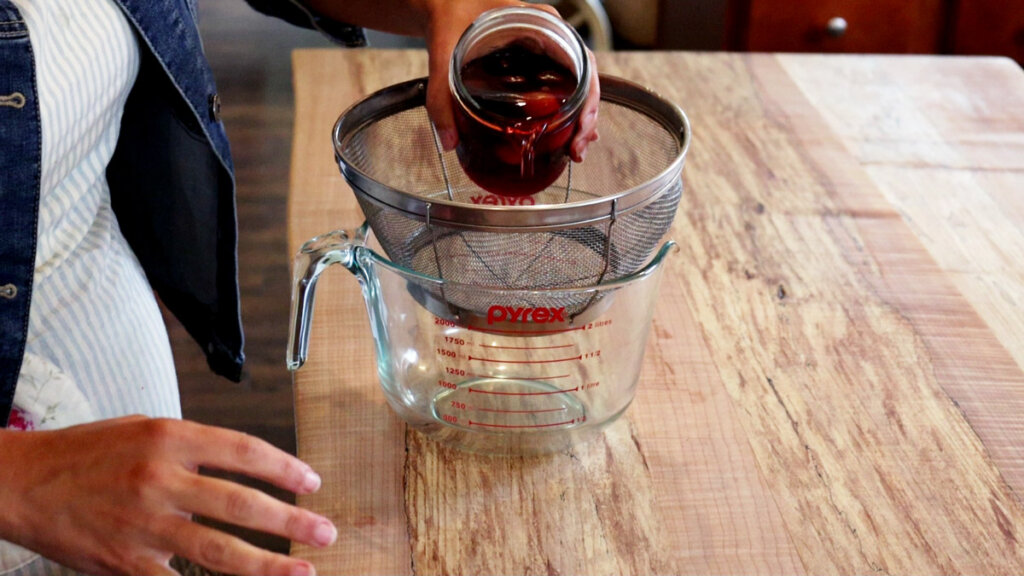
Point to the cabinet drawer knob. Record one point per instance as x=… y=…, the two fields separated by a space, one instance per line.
x=836 y=27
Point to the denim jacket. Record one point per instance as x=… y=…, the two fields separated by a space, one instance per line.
x=171 y=178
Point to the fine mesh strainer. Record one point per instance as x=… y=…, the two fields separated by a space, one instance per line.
x=601 y=220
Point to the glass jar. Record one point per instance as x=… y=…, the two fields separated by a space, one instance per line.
x=519 y=78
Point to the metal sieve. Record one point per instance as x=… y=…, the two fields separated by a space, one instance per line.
x=602 y=220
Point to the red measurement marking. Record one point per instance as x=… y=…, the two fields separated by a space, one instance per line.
x=573 y=421
x=527 y=332
x=526 y=347
x=562 y=409
x=500 y=361
x=520 y=377
x=576 y=389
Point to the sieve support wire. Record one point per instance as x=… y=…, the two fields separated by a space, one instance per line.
x=444 y=165
x=437 y=261
x=607 y=256
x=568 y=184
x=568 y=192
x=451 y=196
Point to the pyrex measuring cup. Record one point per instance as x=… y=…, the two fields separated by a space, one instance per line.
x=490 y=369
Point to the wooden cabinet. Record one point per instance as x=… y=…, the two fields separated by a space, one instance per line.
x=841 y=26
x=989 y=27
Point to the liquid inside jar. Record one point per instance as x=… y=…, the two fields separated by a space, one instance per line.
x=514 y=135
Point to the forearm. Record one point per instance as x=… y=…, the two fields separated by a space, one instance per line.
x=13 y=450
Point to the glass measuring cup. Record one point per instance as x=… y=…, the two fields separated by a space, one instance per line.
x=485 y=368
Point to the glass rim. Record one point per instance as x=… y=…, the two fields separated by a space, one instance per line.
x=362 y=243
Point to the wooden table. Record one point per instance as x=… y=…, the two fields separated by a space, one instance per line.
x=835 y=382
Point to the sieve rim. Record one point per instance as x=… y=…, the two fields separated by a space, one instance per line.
x=412 y=93
x=363 y=246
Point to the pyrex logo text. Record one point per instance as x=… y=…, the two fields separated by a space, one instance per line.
x=498 y=313
x=495 y=200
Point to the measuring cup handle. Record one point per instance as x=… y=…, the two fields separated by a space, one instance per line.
x=314 y=256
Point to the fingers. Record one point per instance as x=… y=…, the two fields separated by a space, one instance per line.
x=222 y=553
x=241 y=506
x=587 y=129
x=233 y=451
x=439 y=100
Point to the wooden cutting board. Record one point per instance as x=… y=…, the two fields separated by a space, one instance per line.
x=834 y=382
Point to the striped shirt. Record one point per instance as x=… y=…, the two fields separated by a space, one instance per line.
x=97 y=346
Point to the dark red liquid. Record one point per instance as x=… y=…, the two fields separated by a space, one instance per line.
x=514 y=136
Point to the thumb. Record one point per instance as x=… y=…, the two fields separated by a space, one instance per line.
x=439 y=99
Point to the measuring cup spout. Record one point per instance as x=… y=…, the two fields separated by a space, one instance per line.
x=315 y=256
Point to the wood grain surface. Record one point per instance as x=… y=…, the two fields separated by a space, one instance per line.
x=834 y=382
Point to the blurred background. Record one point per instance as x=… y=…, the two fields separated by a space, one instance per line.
x=250 y=55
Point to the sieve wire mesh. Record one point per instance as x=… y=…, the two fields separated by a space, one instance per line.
x=398 y=151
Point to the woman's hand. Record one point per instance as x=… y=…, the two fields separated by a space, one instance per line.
x=117 y=496
x=446 y=23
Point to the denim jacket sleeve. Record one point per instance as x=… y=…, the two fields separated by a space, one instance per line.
x=20 y=157
x=171 y=178
x=299 y=13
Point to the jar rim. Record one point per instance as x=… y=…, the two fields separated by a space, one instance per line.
x=525 y=17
